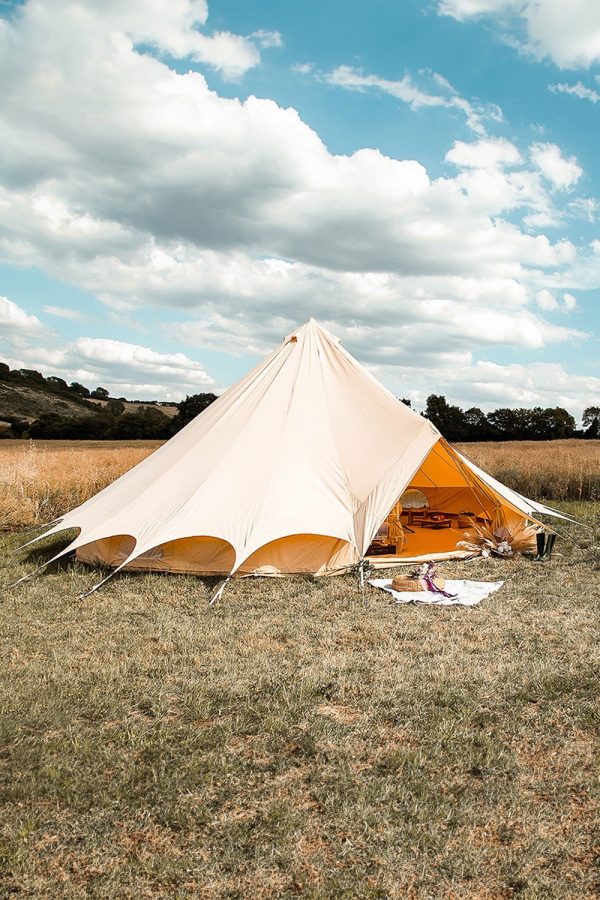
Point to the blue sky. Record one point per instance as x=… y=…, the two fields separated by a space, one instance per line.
x=182 y=184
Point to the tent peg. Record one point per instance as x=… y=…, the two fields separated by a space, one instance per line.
x=364 y=569
x=219 y=593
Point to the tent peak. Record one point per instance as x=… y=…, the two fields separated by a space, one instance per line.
x=311 y=326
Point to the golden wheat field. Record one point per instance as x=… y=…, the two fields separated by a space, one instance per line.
x=542 y=470
x=40 y=480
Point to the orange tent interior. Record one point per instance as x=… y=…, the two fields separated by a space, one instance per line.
x=454 y=499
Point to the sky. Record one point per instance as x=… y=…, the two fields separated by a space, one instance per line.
x=183 y=183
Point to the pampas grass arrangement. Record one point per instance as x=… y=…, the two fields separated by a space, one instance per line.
x=498 y=538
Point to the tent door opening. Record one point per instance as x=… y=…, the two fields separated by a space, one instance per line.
x=437 y=510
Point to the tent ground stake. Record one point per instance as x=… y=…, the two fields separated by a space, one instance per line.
x=29 y=574
x=219 y=593
x=362 y=574
x=93 y=589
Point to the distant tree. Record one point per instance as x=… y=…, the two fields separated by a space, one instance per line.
x=18 y=427
x=97 y=427
x=591 y=422
x=551 y=424
x=535 y=424
x=188 y=409
x=406 y=401
x=79 y=389
x=148 y=423
x=30 y=375
x=448 y=419
x=57 y=382
x=115 y=407
x=51 y=426
x=478 y=426
x=100 y=394
x=510 y=424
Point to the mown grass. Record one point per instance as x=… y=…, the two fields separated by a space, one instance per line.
x=293 y=742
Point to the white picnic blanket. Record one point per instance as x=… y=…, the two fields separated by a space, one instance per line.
x=468 y=593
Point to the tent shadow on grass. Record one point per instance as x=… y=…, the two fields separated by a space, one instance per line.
x=37 y=554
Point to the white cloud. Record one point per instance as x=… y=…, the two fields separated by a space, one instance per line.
x=491 y=385
x=539 y=384
x=125 y=369
x=112 y=356
x=539 y=220
x=546 y=300
x=464 y=9
x=582 y=274
x=62 y=312
x=303 y=68
x=488 y=154
x=496 y=180
x=567 y=32
x=414 y=348
x=562 y=172
x=577 y=90
x=465 y=312
x=584 y=207
x=267 y=38
x=126 y=178
x=407 y=91
x=172 y=28
x=149 y=172
x=15 y=320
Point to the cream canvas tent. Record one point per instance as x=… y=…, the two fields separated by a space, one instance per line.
x=291 y=470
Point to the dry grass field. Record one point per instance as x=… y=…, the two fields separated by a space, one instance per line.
x=543 y=470
x=39 y=480
x=292 y=741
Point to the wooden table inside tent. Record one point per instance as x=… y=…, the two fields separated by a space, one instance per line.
x=427 y=518
x=436 y=520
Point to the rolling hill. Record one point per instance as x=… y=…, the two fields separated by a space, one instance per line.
x=32 y=405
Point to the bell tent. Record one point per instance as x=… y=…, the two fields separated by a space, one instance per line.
x=299 y=467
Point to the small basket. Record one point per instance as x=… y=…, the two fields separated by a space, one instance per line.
x=414 y=583
x=407 y=583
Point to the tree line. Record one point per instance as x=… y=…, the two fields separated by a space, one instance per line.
x=506 y=424
x=113 y=421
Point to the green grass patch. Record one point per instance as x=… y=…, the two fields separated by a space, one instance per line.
x=293 y=742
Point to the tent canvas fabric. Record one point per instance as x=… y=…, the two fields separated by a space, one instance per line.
x=291 y=470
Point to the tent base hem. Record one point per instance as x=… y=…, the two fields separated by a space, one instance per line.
x=388 y=562
x=220 y=573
